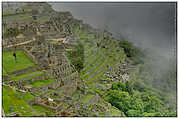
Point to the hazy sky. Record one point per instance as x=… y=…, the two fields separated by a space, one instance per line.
x=150 y=25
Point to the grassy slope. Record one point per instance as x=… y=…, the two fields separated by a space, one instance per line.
x=10 y=65
x=12 y=99
x=40 y=83
x=19 y=104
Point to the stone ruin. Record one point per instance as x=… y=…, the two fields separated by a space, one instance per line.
x=50 y=58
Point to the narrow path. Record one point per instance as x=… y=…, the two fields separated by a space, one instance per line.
x=23 y=43
x=14 y=88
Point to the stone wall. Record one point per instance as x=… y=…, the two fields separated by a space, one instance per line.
x=41 y=77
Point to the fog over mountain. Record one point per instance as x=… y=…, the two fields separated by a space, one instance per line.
x=148 y=25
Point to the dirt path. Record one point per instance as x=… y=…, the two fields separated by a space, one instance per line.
x=14 y=88
x=26 y=42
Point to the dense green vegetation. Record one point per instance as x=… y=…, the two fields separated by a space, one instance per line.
x=134 y=53
x=76 y=56
x=162 y=80
x=136 y=103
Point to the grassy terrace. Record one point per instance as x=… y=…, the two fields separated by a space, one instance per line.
x=98 y=63
x=18 y=18
x=10 y=65
x=110 y=62
x=46 y=18
x=92 y=61
x=27 y=75
x=4 y=73
x=25 y=17
x=19 y=104
x=91 y=56
x=97 y=67
x=87 y=98
x=12 y=99
x=39 y=83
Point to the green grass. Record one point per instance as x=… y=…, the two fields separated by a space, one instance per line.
x=10 y=65
x=91 y=57
x=87 y=98
x=48 y=112
x=4 y=73
x=43 y=19
x=110 y=62
x=102 y=63
x=95 y=70
x=114 y=112
x=110 y=46
x=12 y=99
x=26 y=96
x=16 y=78
x=18 y=18
x=101 y=114
x=99 y=74
x=64 y=106
x=39 y=83
x=115 y=56
x=94 y=62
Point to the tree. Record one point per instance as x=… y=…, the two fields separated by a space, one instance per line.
x=133 y=113
x=119 y=99
x=132 y=52
x=119 y=86
x=151 y=103
x=129 y=87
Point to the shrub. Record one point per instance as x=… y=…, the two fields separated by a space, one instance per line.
x=133 y=113
x=119 y=99
x=119 y=86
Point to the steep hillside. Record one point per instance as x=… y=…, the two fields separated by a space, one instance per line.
x=64 y=67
